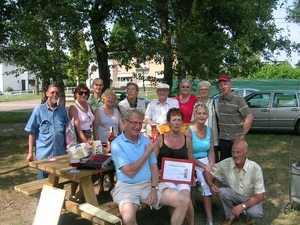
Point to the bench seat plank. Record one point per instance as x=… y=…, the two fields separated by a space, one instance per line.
x=34 y=188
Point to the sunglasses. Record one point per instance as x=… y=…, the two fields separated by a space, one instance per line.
x=83 y=93
x=135 y=123
x=185 y=86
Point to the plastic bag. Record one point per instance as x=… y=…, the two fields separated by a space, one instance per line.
x=71 y=139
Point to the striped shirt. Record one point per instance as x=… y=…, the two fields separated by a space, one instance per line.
x=157 y=112
x=246 y=182
x=232 y=112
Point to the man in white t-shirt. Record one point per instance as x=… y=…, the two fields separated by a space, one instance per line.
x=156 y=112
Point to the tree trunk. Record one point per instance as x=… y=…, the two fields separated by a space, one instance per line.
x=98 y=15
x=162 y=12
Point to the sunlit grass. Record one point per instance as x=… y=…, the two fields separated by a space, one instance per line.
x=14 y=117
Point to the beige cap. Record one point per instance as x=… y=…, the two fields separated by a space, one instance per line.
x=162 y=86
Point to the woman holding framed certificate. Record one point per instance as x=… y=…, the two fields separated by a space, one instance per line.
x=175 y=158
x=202 y=137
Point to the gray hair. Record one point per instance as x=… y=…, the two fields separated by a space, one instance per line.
x=185 y=81
x=133 y=112
x=204 y=83
x=246 y=146
x=51 y=86
x=134 y=84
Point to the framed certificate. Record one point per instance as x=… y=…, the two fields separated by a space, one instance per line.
x=177 y=171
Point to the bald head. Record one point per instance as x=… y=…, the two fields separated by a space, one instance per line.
x=240 y=144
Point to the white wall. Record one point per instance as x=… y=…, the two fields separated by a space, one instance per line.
x=13 y=81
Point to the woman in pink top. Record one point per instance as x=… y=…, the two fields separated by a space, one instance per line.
x=186 y=102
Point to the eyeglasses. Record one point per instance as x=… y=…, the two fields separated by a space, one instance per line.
x=135 y=123
x=185 y=86
x=83 y=93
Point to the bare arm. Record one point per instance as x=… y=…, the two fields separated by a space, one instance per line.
x=96 y=123
x=247 y=123
x=246 y=128
x=211 y=152
x=148 y=121
x=154 y=182
x=189 y=148
x=253 y=200
x=158 y=146
x=209 y=180
x=31 y=143
x=121 y=125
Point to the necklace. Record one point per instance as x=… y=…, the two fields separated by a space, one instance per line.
x=175 y=137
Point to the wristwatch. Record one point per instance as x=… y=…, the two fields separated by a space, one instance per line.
x=244 y=206
x=155 y=187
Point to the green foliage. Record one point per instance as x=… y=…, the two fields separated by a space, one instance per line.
x=79 y=62
x=9 y=89
x=276 y=71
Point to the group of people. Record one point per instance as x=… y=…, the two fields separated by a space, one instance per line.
x=191 y=128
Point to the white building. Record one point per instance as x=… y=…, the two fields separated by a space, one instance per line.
x=23 y=81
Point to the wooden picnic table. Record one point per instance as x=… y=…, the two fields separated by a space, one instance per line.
x=59 y=167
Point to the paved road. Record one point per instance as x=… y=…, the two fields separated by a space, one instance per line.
x=17 y=106
x=21 y=106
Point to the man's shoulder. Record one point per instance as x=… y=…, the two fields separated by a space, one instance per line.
x=252 y=164
x=172 y=100
x=123 y=102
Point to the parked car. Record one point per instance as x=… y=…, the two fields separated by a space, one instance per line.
x=122 y=94
x=275 y=110
x=239 y=91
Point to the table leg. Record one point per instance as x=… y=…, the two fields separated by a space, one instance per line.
x=88 y=191
x=53 y=180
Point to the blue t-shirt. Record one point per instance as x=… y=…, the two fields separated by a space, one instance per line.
x=49 y=129
x=124 y=152
x=200 y=146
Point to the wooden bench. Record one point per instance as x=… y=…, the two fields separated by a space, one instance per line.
x=34 y=188
x=105 y=214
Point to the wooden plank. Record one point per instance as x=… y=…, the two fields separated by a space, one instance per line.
x=34 y=188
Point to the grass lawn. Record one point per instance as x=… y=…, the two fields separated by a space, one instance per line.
x=17 y=97
x=14 y=117
x=271 y=151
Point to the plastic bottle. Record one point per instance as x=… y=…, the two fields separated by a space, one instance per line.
x=148 y=130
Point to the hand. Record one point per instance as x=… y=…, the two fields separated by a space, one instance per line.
x=209 y=168
x=150 y=147
x=238 y=138
x=29 y=157
x=152 y=197
x=237 y=210
x=214 y=189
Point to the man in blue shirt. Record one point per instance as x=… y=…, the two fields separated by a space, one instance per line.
x=138 y=176
x=46 y=127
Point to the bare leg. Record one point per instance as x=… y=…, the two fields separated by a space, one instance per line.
x=179 y=201
x=207 y=201
x=128 y=213
x=190 y=212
